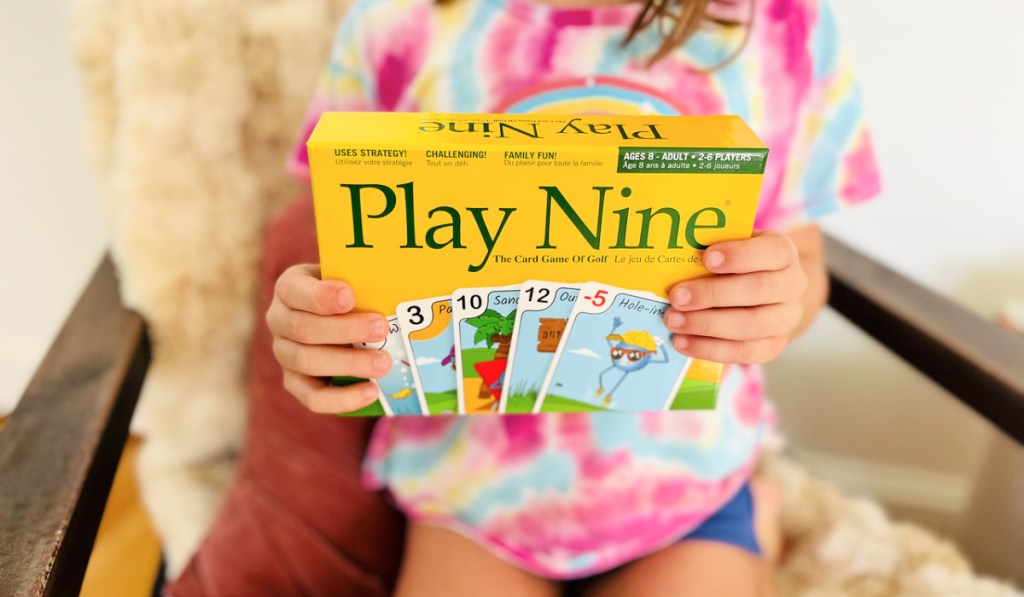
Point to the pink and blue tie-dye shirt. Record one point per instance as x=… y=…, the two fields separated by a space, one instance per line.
x=575 y=494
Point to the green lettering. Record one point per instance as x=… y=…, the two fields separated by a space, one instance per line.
x=570 y=125
x=456 y=229
x=652 y=132
x=455 y=129
x=620 y=240
x=410 y=218
x=532 y=133
x=485 y=234
x=645 y=227
x=593 y=237
x=692 y=226
x=356 y=196
x=646 y=216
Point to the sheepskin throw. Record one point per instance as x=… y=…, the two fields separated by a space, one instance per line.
x=191 y=110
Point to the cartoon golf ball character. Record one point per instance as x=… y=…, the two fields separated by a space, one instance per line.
x=630 y=352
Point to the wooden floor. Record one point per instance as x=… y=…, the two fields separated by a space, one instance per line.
x=127 y=553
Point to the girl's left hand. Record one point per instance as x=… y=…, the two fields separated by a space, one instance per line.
x=749 y=309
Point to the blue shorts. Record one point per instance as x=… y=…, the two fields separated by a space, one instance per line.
x=733 y=524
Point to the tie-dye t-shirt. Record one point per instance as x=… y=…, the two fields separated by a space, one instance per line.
x=574 y=494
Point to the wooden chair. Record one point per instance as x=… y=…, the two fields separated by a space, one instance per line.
x=61 y=446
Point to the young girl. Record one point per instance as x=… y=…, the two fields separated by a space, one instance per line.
x=636 y=504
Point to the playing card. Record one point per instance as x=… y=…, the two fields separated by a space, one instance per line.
x=426 y=329
x=543 y=311
x=484 y=320
x=615 y=354
x=398 y=393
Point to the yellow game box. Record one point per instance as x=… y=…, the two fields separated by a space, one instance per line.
x=412 y=205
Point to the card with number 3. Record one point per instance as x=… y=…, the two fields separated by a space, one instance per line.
x=426 y=328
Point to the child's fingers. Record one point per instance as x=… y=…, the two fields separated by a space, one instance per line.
x=307 y=328
x=730 y=351
x=331 y=360
x=322 y=398
x=744 y=323
x=746 y=290
x=300 y=287
x=765 y=251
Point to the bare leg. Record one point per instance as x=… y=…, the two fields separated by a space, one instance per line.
x=702 y=568
x=767 y=516
x=689 y=569
x=439 y=561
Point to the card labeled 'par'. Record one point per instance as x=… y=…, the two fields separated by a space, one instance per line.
x=426 y=329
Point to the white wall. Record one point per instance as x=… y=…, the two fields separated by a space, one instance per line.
x=944 y=86
x=51 y=231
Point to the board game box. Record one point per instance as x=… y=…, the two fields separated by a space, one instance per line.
x=471 y=207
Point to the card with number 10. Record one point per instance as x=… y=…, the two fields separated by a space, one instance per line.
x=484 y=321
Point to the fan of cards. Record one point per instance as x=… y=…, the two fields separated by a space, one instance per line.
x=533 y=347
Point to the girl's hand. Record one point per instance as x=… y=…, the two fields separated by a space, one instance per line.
x=312 y=324
x=749 y=310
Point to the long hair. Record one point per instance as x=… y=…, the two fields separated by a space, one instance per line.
x=679 y=20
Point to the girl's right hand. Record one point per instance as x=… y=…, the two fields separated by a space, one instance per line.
x=313 y=328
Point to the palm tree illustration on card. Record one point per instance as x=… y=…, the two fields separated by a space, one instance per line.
x=484 y=326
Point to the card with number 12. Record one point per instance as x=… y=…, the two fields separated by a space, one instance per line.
x=544 y=309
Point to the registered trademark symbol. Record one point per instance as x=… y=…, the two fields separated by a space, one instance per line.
x=728 y=203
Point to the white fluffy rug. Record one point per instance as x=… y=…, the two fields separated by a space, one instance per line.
x=843 y=546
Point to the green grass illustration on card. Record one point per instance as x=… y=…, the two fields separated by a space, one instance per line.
x=484 y=325
x=543 y=310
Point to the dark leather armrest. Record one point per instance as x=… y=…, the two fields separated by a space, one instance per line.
x=972 y=358
x=60 y=448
